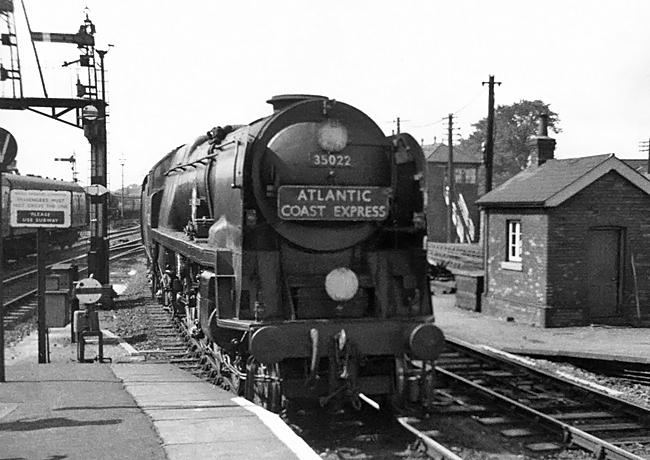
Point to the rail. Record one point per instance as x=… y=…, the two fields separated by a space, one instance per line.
x=492 y=367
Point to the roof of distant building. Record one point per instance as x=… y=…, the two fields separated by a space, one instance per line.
x=439 y=153
x=640 y=166
x=555 y=181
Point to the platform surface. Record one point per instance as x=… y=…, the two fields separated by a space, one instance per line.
x=127 y=409
x=197 y=420
x=72 y=411
x=627 y=344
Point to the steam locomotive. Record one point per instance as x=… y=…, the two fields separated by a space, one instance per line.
x=294 y=247
x=19 y=242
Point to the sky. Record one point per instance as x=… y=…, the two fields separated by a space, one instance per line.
x=177 y=69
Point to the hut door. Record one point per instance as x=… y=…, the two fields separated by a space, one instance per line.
x=604 y=271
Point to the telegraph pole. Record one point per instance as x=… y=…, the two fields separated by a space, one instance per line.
x=488 y=155
x=644 y=146
x=450 y=182
x=399 y=126
x=398 y=120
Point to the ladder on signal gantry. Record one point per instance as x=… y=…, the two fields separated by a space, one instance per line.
x=10 y=81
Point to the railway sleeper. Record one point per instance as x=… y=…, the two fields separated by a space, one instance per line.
x=181 y=360
x=458 y=409
x=631 y=440
x=623 y=426
x=582 y=415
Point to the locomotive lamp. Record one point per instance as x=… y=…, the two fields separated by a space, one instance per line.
x=341 y=284
x=332 y=136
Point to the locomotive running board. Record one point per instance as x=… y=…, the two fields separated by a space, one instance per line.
x=178 y=242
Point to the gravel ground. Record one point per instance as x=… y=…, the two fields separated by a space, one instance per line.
x=128 y=318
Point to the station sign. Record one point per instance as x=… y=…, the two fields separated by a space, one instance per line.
x=301 y=202
x=88 y=291
x=40 y=208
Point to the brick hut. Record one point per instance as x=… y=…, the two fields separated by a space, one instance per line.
x=567 y=242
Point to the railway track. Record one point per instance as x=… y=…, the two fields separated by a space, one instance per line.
x=19 y=291
x=525 y=411
x=528 y=408
x=335 y=434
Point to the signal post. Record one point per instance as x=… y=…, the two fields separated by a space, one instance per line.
x=94 y=120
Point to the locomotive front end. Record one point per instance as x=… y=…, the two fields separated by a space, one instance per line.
x=323 y=179
x=337 y=229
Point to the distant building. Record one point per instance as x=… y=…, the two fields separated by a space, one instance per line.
x=640 y=166
x=467 y=176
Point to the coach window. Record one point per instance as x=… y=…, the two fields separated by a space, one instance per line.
x=513 y=246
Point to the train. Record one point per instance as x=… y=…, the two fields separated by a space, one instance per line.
x=19 y=242
x=125 y=206
x=293 y=248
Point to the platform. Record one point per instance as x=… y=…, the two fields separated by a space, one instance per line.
x=127 y=409
x=624 y=344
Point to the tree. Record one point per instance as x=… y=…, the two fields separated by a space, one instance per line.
x=513 y=126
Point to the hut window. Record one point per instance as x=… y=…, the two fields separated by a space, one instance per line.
x=514 y=241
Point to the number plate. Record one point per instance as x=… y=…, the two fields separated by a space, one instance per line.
x=303 y=202
x=330 y=160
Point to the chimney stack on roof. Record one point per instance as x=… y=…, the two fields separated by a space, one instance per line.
x=542 y=147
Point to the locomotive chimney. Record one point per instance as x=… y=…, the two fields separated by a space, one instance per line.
x=542 y=147
x=283 y=101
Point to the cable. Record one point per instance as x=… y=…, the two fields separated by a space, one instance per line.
x=453 y=113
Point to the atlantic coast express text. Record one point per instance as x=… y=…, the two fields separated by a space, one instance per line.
x=332 y=203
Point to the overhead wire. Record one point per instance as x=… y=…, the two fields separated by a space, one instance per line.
x=444 y=119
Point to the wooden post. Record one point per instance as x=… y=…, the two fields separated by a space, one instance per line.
x=636 y=287
x=450 y=183
x=41 y=252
